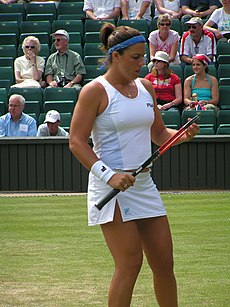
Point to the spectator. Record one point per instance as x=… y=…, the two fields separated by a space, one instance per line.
x=201 y=89
x=16 y=123
x=64 y=68
x=219 y=21
x=172 y=8
x=131 y=9
x=197 y=40
x=51 y=126
x=164 y=39
x=102 y=9
x=28 y=69
x=167 y=85
x=196 y=8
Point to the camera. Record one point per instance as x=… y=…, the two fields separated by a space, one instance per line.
x=61 y=81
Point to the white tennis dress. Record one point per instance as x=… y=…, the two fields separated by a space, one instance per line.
x=122 y=139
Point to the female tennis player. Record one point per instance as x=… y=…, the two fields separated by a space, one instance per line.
x=119 y=111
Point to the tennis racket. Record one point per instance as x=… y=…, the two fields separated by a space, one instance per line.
x=159 y=152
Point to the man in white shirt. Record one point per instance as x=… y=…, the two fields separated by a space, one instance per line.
x=197 y=40
x=105 y=9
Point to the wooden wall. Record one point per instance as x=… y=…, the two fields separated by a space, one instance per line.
x=46 y=164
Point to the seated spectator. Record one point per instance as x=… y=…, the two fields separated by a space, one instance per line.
x=167 y=85
x=51 y=126
x=197 y=40
x=64 y=68
x=16 y=123
x=28 y=69
x=102 y=9
x=56 y=2
x=164 y=39
x=201 y=89
x=172 y=8
x=196 y=8
x=219 y=22
x=131 y=9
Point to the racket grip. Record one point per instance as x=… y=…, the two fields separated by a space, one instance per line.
x=107 y=198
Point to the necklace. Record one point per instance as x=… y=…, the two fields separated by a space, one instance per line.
x=128 y=93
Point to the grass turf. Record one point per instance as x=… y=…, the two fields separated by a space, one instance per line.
x=50 y=257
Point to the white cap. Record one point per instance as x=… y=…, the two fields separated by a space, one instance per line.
x=61 y=32
x=161 y=56
x=52 y=116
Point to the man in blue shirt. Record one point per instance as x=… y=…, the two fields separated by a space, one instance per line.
x=16 y=123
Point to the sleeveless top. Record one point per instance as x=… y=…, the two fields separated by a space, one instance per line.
x=202 y=93
x=121 y=134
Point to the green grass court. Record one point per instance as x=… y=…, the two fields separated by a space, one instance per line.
x=50 y=257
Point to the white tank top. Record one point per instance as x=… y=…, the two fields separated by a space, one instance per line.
x=121 y=134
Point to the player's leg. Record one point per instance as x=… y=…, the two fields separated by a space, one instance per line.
x=157 y=245
x=125 y=246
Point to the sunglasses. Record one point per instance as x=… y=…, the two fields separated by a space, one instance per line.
x=193 y=27
x=31 y=47
x=165 y=24
x=56 y=40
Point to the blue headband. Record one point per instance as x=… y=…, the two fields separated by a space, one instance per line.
x=129 y=42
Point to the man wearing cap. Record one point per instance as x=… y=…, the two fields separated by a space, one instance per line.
x=51 y=125
x=198 y=8
x=197 y=40
x=64 y=68
x=16 y=123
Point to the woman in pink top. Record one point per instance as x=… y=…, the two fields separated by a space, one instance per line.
x=165 y=40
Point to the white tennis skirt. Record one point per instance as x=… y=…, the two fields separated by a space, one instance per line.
x=140 y=201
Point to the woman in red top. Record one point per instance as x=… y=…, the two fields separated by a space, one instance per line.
x=167 y=85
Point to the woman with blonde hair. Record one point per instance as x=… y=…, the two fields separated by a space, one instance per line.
x=28 y=69
x=166 y=84
x=164 y=39
x=201 y=89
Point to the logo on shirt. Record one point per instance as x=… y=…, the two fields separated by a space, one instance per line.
x=149 y=104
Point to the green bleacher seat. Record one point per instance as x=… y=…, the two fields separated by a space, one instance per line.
x=60 y=94
x=38 y=17
x=93 y=60
x=68 y=25
x=92 y=72
x=40 y=26
x=60 y=106
x=4 y=96
x=32 y=107
x=9 y=27
x=65 y=120
x=7 y=61
x=206 y=122
x=6 y=73
x=13 y=8
x=2 y=108
x=8 y=51
x=223 y=122
x=65 y=8
x=8 y=39
x=139 y=24
x=41 y=8
x=11 y=17
x=92 y=25
x=223 y=71
x=224 y=102
x=92 y=37
x=171 y=119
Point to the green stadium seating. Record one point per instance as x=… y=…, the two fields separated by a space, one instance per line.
x=171 y=119
x=41 y=8
x=206 y=122
x=6 y=73
x=9 y=27
x=8 y=39
x=13 y=8
x=223 y=122
x=224 y=102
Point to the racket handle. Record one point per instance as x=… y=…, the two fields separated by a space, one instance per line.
x=107 y=198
